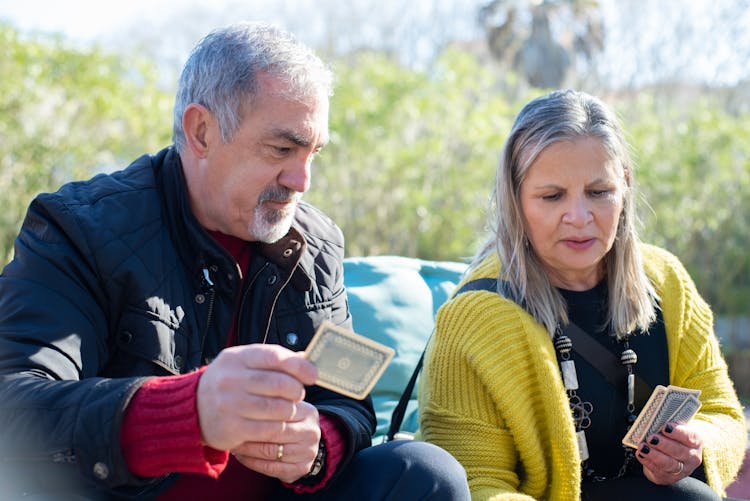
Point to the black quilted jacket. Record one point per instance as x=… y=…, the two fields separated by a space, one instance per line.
x=113 y=280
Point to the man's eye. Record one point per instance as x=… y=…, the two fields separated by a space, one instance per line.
x=281 y=150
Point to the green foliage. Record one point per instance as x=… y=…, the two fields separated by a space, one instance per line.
x=694 y=171
x=67 y=113
x=411 y=164
x=412 y=156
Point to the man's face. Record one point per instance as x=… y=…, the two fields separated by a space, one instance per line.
x=249 y=187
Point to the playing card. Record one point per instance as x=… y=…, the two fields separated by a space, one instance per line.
x=637 y=432
x=685 y=392
x=686 y=411
x=670 y=404
x=347 y=363
x=672 y=401
x=683 y=413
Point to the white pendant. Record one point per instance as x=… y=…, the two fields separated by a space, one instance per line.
x=631 y=388
x=570 y=377
x=583 y=446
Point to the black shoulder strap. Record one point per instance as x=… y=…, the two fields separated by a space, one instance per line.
x=600 y=357
x=583 y=344
x=480 y=284
x=398 y=413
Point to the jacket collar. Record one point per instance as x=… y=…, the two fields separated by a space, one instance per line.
x=196 y=247
x=287 y=253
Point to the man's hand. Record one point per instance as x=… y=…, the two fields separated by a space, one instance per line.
x=672 y=454
x=288 y=460
x=250 y=402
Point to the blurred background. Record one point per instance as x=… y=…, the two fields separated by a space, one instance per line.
x=426 y=92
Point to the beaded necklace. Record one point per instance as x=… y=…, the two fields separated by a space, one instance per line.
x=582 y=410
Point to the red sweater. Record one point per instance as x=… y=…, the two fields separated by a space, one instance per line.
x=161 y=434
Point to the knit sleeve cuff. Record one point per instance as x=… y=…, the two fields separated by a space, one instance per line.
x=161 y=434
x=333 y=435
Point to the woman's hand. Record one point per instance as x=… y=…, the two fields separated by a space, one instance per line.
x=672 y=454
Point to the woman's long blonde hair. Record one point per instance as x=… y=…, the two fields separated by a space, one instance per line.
x=563 y=116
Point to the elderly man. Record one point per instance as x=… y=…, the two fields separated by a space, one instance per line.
x=152 y=321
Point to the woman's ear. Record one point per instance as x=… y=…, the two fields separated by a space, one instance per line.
x=197 y=122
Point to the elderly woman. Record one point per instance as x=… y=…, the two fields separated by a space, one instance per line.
x=505 y=388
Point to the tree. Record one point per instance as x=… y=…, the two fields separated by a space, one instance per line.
x=67 y=113
x=543 y=40
x=411 y=160
x=694 y=169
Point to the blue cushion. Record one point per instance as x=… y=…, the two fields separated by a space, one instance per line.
x=393 y=300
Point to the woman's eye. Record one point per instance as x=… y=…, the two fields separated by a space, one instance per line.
x=552 y=197
x=600 y=193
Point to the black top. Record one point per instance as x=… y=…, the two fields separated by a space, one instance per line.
x=587 y=309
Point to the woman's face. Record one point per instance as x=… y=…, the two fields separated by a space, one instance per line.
x=571 y=199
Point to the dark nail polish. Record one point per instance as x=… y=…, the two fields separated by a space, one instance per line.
x=654 y=441
x=668 y=428
x=645 y=449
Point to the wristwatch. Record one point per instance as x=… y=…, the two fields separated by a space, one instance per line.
x=319 y=460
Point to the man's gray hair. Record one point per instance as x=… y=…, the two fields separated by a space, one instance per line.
x=223 y=68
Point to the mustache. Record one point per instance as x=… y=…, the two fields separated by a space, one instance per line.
x=279 y=194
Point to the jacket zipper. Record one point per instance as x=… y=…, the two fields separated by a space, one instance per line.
x=273 y=305
x=244 y=296
x=66 y=456
x=208 y=287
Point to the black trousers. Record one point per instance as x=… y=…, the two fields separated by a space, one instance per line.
x=402 y=470
x=640 y=488
x=395 y=471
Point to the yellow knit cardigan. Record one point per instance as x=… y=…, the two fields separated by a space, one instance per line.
x=491 y=392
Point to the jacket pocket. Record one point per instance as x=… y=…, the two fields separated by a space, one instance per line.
x=148 y=342
x=294 y=328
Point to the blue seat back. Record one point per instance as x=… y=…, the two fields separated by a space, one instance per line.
x=393 y=300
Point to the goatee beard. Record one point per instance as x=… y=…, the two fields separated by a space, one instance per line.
x=269 y=225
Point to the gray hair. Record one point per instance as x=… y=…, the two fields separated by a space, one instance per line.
x=223 y=68
x=565 y=115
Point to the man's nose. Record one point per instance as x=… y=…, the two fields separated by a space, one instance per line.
x=296 y=176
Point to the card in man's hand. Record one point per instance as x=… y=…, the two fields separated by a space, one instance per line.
x=672 y=404
x=347 y=363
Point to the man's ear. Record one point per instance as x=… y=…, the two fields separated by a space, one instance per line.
x=197 y=122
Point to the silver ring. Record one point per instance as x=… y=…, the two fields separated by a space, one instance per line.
x=680 y=467
x=280 y=453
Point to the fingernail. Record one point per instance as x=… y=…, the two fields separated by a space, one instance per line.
x=654 y=441
x=668 y=428
x=645 y=449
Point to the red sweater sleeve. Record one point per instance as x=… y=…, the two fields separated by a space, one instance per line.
x=161 y=434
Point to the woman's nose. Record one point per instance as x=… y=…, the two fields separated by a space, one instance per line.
x=578 y=212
